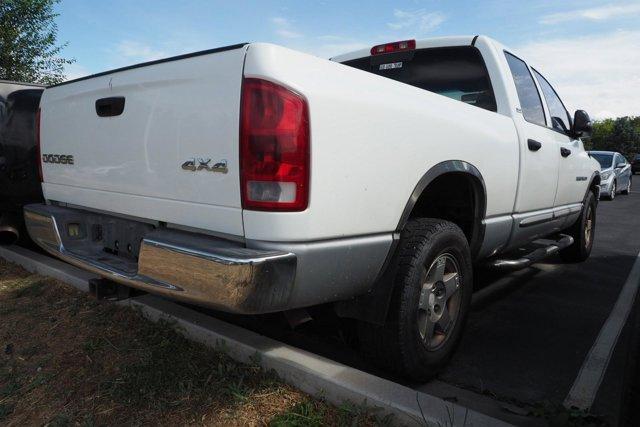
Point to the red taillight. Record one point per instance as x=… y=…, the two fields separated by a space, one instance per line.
x=274 y=147
x=38 y=150
x=393 y=47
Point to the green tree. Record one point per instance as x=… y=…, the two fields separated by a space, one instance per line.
x=28 y=48
x=621 y=134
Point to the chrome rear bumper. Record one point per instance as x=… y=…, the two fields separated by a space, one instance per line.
x=193 y=268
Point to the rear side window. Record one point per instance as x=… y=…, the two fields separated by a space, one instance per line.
x=560 y=119
x=527 y=92
x=455 y=72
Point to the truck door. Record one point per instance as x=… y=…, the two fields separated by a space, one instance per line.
x=539 y=160
x=573 y=179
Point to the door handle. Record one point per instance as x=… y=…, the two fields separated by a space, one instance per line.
x=109 y=107
x=534 y=145
x=565 y=152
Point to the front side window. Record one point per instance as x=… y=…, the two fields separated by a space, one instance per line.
x=560 y=119
x=455 y=72
x=528 y=95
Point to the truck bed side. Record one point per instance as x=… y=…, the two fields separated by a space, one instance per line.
x=372 y=140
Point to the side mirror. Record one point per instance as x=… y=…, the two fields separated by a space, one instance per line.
x=582 y=126
x=621 y=165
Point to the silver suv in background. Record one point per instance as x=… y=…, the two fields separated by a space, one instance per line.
x=615 y=173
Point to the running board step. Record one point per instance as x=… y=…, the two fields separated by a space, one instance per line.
x=551 y=247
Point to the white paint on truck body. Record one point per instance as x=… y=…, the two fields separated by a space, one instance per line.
x=372 y=139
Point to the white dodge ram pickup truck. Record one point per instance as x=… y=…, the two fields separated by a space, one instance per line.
x=254 y=179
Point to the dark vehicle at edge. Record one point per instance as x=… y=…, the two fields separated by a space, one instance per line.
x=635 y=164
x=19 y=176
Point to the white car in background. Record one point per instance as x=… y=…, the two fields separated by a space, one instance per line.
x=615 y=173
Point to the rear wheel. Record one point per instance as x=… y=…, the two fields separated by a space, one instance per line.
x=431 y=297
x=583 y=233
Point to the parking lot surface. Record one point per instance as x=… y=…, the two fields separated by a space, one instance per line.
x=529 y=333
x=528 y=342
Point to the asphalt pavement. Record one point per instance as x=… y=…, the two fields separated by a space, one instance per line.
x=529 y=334
x=529 y=342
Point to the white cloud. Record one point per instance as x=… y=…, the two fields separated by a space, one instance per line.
x=598 y=73
x=284 y=28
x=594 y=14
x=133 y=51
x=421 y=21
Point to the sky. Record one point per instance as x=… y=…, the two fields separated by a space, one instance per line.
x=589 y=50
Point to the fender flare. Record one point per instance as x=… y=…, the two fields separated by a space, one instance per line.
x=373 y=307
x=594 y=175
x=480 y=195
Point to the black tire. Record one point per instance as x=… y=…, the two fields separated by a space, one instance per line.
x=398 y=345
x=582 y=245
x=627 y=190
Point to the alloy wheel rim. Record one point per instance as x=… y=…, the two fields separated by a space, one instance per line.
x=439 y=304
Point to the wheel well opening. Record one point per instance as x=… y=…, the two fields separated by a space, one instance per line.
x=455 y=197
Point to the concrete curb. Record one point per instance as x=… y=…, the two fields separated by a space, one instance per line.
x=309 y=372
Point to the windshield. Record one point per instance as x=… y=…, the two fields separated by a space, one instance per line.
x=455 y=72
x=605 y=160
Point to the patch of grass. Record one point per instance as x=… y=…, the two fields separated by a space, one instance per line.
x=558 y=415
x=304 y=414
x=352 y=414
x=60 y=420
x=76 y=361
x=9 y=387
x=91 y=345
x=40 y=379
x=169 y=368
x=33 y=350
x=31 y=286
x=5 y=410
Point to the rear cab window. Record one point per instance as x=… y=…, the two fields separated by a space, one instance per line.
x=530 y=101
x=455 y=72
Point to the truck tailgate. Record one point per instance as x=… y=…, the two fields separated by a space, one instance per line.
x=156 y=158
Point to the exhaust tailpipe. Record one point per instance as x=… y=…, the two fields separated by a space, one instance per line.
x=9 y=233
